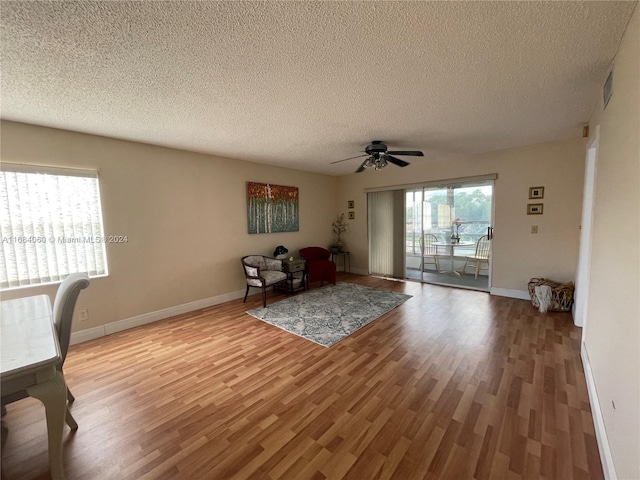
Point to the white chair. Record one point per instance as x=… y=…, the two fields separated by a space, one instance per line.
x=63 y=307
x=481 y=257
x=430 y=251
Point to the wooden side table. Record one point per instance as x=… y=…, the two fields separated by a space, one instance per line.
x=296 y=271
x=346 y=260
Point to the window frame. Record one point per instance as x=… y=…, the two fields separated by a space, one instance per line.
x=58 y=262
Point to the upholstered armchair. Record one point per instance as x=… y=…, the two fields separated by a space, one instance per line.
x=319 y=264
x=262 y=272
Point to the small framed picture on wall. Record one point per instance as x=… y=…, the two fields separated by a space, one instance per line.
x=534 y=209
x=536 y=192
x=352 y=215
x=351 y=204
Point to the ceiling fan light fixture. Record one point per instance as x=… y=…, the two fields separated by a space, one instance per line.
x=379 y=156
x=377 y=162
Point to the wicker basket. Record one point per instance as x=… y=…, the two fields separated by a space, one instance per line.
x=562 y=294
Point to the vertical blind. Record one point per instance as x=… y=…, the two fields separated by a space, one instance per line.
x=51 y=225
x=380 y=210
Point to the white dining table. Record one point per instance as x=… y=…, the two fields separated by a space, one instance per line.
x=29 y=354
x=451 y=247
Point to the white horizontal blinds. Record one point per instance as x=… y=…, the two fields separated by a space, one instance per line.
x=380 y=209
x=51 y=225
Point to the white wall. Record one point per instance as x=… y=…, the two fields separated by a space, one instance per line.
x=183 y=213
x=518 y=255
x=612 y=328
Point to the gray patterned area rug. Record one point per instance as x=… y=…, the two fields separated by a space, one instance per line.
x=331 y=313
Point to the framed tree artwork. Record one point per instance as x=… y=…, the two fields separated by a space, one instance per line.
x=272 y=208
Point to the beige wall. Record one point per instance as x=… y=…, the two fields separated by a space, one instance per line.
x=612 y=326
x=184 y=214
x=518 y=255
x=185 y=217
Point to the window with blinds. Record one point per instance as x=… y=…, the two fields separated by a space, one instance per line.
x=51 y=225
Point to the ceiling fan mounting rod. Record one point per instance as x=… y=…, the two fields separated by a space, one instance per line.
x=376 y=147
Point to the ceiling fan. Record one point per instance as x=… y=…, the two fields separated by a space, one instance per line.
x=379 y=156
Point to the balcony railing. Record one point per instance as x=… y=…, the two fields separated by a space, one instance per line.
x=413 y=239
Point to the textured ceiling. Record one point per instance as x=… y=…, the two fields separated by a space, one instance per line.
x=302 y=84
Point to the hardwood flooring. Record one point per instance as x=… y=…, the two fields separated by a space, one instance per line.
x=452 y=384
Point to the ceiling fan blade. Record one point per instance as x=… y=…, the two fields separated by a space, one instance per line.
x=361 y=167
x=412 y=153
x=350 y=158
x=397 y=161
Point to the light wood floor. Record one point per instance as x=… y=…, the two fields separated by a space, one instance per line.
x=452 y=384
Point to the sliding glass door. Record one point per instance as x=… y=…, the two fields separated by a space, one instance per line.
x=443 y=227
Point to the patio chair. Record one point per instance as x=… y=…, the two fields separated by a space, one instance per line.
x=480 y=258
x=430 y=251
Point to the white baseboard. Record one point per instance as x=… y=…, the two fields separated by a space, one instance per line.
x=359 y=271
x=510 y=292
x=127 y=323
x=598 y=420
x=86 y=335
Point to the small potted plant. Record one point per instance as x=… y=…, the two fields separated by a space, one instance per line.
x=339 y=227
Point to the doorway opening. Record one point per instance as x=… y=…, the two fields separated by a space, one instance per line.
x=584 y=257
